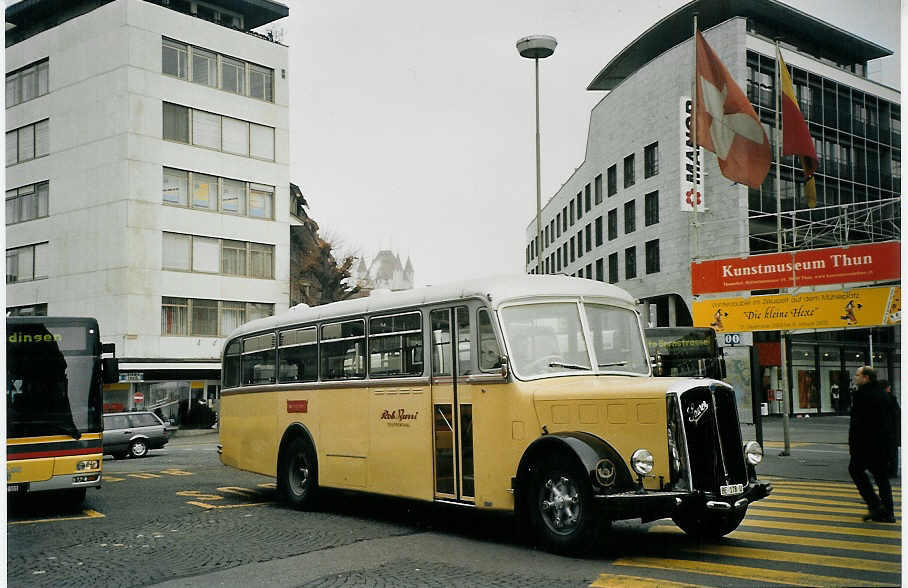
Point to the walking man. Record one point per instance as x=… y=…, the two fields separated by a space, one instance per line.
x=869 y=440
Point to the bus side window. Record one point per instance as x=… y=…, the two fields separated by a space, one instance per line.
x=232 y=364
x=489 y=353
x=441 y=341
x=464 y=342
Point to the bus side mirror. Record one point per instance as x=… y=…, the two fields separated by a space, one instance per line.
x=505 y=369
x=110 y=370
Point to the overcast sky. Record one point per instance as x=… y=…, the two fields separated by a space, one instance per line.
x=412 y=122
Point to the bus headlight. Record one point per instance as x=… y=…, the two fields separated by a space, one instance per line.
x=642 y=462
x=87 y=464
x=754 y=452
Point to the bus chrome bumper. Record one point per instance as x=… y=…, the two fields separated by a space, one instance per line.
x=653 y=504
x=61 y=482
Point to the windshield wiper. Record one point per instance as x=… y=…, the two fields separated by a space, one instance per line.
x=613 y=363
x=572 y=366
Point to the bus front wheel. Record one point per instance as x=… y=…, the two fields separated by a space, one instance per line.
x=560 y=506
x=296 y=476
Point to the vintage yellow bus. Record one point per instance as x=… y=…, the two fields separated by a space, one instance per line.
x=531 y=394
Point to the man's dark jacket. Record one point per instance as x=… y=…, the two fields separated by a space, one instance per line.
x=870 y=436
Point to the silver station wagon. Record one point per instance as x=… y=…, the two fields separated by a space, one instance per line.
x=133 y=434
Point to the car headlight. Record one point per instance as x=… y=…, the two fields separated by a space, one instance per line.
x=754 y=452
x=642 y=462
x=87 y=464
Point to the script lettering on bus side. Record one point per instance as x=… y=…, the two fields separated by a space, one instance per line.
x=399 y=417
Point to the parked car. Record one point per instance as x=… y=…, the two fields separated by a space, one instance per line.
x=134 y=434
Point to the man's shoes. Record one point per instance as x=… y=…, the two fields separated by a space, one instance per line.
x=884 y=517
x=871 y=515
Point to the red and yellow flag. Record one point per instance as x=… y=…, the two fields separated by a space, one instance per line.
x=726 y=122
x=796 y=138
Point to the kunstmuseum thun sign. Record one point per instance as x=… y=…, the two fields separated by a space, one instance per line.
x=862 y=307
x=809 y=267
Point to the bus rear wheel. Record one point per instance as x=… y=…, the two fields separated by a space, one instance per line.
x=73 y=499
x=560 y=506
x=297 y=474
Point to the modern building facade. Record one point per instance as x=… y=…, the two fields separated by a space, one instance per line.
x=621 y=218
x=148 y=181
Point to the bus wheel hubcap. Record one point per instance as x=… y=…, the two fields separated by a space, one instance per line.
x=560 y=502
x=300 y=474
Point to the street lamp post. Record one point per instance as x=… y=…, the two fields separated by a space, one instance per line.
x=537 y=47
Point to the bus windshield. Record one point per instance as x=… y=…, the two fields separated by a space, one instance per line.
x=52 y=379
x=548 y=338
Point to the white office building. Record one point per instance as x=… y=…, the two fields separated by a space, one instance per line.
x=147 y=180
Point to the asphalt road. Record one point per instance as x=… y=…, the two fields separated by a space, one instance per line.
x=179 y=518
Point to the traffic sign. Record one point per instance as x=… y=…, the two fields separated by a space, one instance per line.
x=138 y=397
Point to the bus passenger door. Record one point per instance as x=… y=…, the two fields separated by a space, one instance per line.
x=452 y=404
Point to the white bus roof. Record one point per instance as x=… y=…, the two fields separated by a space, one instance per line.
x=495 y=291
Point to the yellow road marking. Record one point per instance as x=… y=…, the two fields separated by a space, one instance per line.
x=237 y=490
x=743 y=572
x=622 y=581
x=789 y=526
x=86 y=514
x=800 y=498
x=176 y=472
x=850 y=544
x=811 y=516
x=271 y=485
x=106 y=478
x=799 y=506
x=144 y=475
x=205 y=505
x=781 y=444
x=853 y=493
x=199 y=495
x=776 y=482
x=836 y=561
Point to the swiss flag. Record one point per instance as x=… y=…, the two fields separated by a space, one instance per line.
x=726 y=122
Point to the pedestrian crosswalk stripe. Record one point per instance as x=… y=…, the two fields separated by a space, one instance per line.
x=835 y=561
x=809 y=500
x=777 y=504
x=851 y=493
x=757 y=510
x=849 y=544
x=743 y=572
x=791 y=488
x=837 y=530
x=622 y=581
x=815 y=484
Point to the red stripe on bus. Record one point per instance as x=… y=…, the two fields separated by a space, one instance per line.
x=58 y=453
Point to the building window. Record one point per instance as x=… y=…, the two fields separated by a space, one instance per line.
x=29 y=310
x=613 y=224
x=217 y=194
x=216 y=132
x=651 y=209
x=599 y=270
x=629 y=171
x=589 y=236
x=181 y=317
x=652 y=256
x=572 y=212
x=209 y=255
x=26 y=203
x=201 y=66
x=24 y=264
x=612 y=180
x=558 y=224
x=579 y=205
x=597 y=190
x=573 y=257
x=598 y=231
x=630 y=263
x=613 y=268
x=651 y=160
x=589 y=271
x=28 y=142
x=27 y=83
x=580 y=243
x=587 y=198
x=630 y=217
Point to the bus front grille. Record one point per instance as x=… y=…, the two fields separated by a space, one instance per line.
x=710 y=421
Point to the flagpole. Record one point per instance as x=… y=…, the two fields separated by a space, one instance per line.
x=693 y=136
x=783 y=371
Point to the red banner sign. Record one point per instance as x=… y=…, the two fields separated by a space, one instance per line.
x=297 y=406
x=810 y=267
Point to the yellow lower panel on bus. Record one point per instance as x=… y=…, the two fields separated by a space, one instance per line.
x=29 y=470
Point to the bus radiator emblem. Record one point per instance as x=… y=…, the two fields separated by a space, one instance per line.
x=695 y=413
